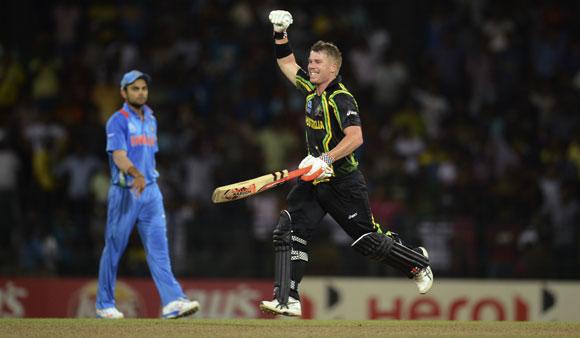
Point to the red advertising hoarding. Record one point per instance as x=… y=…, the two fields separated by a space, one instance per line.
x=321 y=298
x=71 y=297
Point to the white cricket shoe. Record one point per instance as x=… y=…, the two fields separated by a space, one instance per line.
x=292 y=309
x=110 y=313
x=424 y=278
x=180 y=308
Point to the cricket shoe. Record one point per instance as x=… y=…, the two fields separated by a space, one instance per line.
x=424 y=278
x=110 y=313
x=292 y=309
x=180 y=308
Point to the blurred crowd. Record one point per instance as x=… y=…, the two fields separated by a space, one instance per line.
x=470 y=110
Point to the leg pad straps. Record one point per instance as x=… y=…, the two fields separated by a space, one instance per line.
x=385 y=249
x=282 y=238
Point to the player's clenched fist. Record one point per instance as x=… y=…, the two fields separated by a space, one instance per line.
x=281 y=20
x=319 y=169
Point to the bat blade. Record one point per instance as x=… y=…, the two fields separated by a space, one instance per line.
x=239 y=190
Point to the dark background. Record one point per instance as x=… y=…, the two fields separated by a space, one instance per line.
x=470 y=115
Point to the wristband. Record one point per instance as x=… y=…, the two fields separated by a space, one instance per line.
x=326 y=158
x=280 y=35
x=282 y=50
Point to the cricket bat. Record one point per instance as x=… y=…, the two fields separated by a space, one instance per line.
x=256 y=185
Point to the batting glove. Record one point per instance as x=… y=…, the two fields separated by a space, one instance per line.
x=306 y=162
x=319 y=170
x=281 y=20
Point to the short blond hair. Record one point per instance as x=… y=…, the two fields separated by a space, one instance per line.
x=330 y=49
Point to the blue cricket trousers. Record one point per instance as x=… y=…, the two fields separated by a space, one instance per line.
x=124 y=211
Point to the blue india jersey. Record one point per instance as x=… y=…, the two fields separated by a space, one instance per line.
x=126 y=131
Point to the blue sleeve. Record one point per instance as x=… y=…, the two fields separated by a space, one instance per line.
x=116 y=133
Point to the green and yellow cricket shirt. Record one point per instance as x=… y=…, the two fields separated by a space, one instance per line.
x=327 y=115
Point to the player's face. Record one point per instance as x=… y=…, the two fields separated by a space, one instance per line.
x=321 y=67
x=136 y=93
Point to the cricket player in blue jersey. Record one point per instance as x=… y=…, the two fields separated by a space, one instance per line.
x=135 y=199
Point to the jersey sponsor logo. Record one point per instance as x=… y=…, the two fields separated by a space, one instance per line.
x=351 y=112
x=132 y=128
x=142 y=140
x=314 y=124
x=318 y=110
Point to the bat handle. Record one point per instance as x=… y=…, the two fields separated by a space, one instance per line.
x=308 y=178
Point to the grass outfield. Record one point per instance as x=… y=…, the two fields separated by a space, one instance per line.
x=80 y=328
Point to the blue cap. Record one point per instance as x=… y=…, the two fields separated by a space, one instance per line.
x=133 y=76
